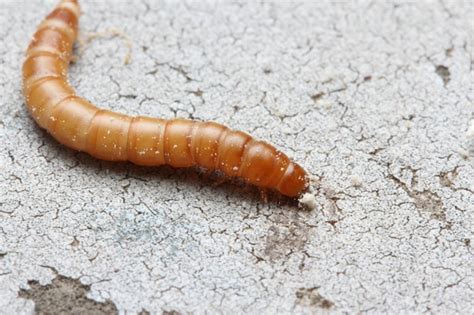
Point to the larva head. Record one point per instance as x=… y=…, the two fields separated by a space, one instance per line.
x=294 y=182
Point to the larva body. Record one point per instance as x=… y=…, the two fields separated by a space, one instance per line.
x=107 y=135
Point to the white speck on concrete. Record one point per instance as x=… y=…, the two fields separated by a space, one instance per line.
x=470 y=130
x=356 y=180
x=463 y=153
x=308 y=200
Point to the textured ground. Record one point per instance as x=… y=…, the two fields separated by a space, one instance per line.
x=375 y=99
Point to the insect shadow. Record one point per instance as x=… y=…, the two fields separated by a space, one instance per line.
x=192 y=178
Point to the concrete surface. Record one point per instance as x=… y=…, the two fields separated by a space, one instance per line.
x=373 y=98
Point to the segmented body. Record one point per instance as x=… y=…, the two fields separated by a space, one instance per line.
x=108 y=135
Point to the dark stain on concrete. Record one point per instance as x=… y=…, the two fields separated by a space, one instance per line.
x=446 y=179
x=424 y=200
x=316 y=97
x=430 y=202
x=310 y=297
x=65 y=296
x=444 y=73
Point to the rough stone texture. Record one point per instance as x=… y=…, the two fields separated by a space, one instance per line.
x=373 y=98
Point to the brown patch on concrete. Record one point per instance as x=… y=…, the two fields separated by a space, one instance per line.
x=430 y=202
x=75 y=243
x=316 y=97
x=310 y=297
x=65 y=296
x=446 y=179
x=424 y=200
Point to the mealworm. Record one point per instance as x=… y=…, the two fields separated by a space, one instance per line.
x=108 y=135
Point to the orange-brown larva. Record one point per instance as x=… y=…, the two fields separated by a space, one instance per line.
x=108 y=135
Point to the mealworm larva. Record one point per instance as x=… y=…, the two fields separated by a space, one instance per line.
x=108 y=135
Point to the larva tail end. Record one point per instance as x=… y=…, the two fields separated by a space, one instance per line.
x=294 y=182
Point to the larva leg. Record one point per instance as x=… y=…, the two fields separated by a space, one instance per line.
x=264 y=195
x=107 y=135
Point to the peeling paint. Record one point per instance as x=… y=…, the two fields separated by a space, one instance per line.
x=64 y=296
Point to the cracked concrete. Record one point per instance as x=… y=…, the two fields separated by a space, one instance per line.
x=375 y=99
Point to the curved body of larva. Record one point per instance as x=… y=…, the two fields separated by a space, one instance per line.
x=107 y=135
